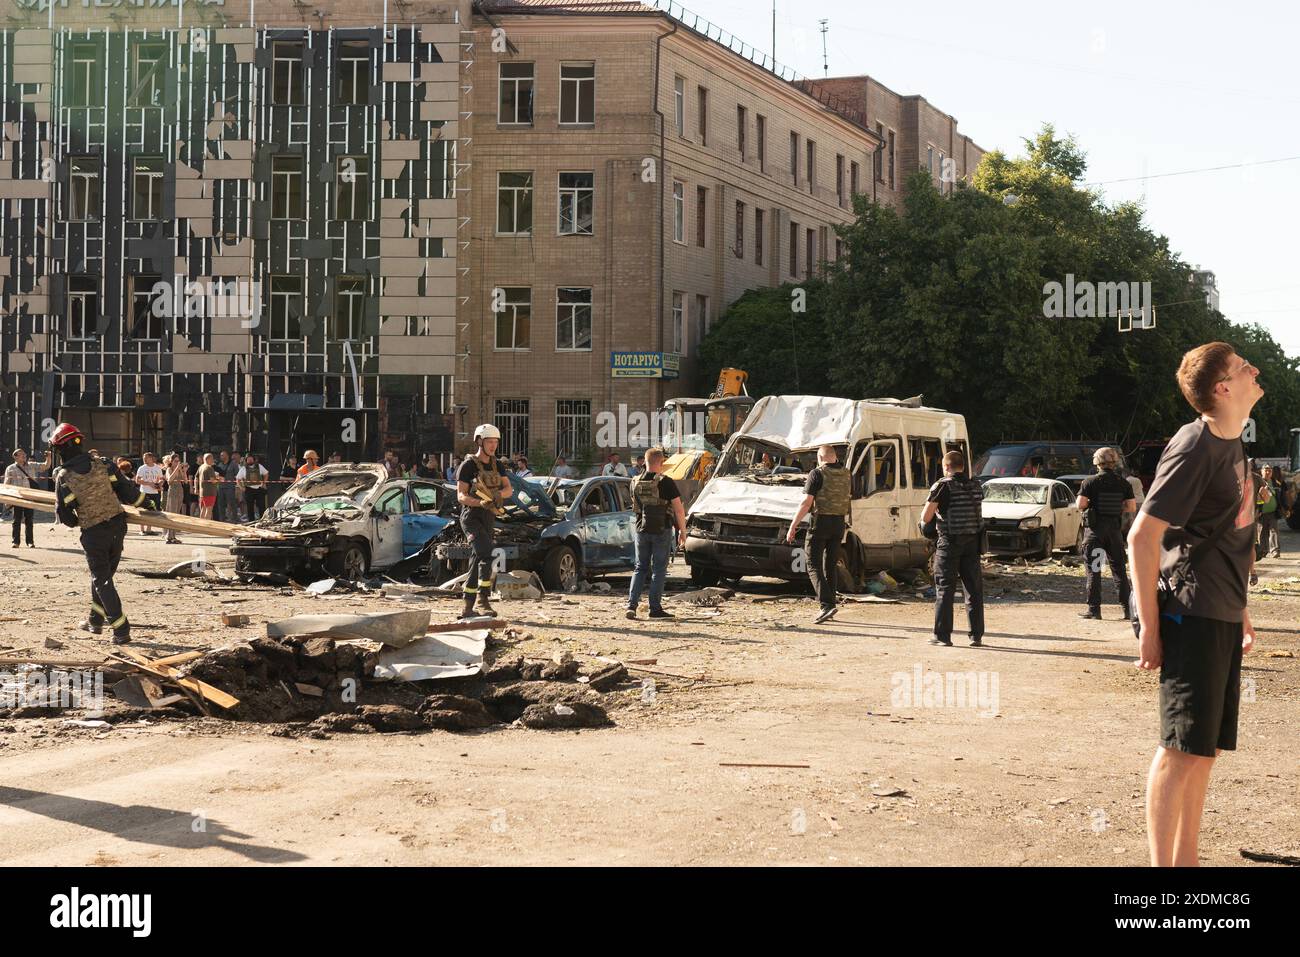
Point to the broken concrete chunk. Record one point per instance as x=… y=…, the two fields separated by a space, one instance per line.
x=607 y=677
x=561 y=668
x=575 y=715
x=449 y=712
x=390 y=717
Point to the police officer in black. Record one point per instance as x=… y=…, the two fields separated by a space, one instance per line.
x=482 y=487
x=827 y=494
x=89 y=494
x=1104 y=501
x=657 y=505
x=957 y=501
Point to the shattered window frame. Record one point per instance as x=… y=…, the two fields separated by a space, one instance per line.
x=578 y=93
x=84 y=192
x=353 y=87
x=573 y=312
x=514 y=203
x=288 y=187
x=147 y=176
x=83 y=77
x=349 y=308
x=283 y=291
x=352 y=197
x=287 y=79
x=575 y=196
x=149 y=73
x=145 y=325
x=515 y=93
x=82 y=308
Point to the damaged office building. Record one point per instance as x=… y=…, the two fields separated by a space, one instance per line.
x=223 y=233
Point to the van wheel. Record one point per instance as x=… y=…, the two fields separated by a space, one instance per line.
x=349 y=561
x=560 y=570
x=704 y=577
x=1049 y=543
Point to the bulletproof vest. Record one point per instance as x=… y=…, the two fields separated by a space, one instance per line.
x=96 y=502
x=253 y=476
x=490 y=478
x=833 y=497
x=1106 y=505
x=651 y=509
x=963 y=514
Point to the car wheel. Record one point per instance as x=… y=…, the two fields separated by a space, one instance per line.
x=704 y=577
x=1049 y=543
x=350 y=561
x=560 y=570
x=1078 y=542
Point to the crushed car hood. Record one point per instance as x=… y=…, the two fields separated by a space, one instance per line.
x=1010 y=510
x=731 y=497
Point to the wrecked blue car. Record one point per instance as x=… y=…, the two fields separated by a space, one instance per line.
x=566 y=530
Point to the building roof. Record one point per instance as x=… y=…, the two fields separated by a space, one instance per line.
x=565 y=6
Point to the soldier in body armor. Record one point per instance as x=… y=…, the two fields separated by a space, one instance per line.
x=482 y=487
x=89 y=493
x=657 y=504
x=958 y=500
x=826 y=494
x=1104 y=501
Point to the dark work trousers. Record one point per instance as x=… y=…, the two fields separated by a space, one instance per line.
x=255 y=499
x=954 y=558
x=23 y=516
x=102 y=544
x=1100 y=545
x=823 y=558
x=477 y=524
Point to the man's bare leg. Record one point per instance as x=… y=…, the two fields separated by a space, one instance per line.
x=1186 y=840
x=1176 y=788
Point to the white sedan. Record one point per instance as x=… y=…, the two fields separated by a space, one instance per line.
x=1030 y=516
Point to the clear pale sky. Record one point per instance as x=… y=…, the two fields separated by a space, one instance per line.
x=1148 y=88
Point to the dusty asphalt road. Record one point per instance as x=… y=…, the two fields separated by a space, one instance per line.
x=1053 y=774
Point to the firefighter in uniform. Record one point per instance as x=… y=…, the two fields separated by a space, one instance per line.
x=957 y=500
x=826 y=494
x=481 y=489
x=89 y=493
x=657 y=505
x=1104 y=501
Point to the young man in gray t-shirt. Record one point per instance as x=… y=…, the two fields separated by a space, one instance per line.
x=1202 y=484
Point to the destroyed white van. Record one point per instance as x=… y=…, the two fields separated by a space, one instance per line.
x=893 y=449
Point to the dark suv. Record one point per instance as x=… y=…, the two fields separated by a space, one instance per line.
x=1044 y=459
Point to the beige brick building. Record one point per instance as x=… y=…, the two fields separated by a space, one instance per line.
x=630 y=179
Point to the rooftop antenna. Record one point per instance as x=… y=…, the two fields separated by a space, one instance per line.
x=773 y=32
x=826 y=69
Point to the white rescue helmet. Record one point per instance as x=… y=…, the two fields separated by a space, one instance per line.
x=487 y=431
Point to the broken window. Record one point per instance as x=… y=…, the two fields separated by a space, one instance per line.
x=149 y=71
x=287 y=180
x=285 y=320
x=926 y=457
x=83 y=307
x=354 y=72
x=577 y=196
x=83 y=189
x=577 y=93
x=514 y=204
x=287 y=73
x=85 y=84
x=352 y=188
x=573 y=319
x=144 y=323
x=146 y=187
x=515 y=94
x=349 y=308
x=514 y=319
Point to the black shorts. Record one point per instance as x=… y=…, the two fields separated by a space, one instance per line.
x=1200 y=684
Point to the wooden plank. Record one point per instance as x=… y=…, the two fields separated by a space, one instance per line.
x=201 y=688
x=44 y=501
x=180 y=659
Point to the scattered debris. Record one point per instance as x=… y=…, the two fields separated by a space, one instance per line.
x=446 y=655
x=519 y=585
x=322 y=587
x=231 y=620
x=1265 y=857
x=54 y=643
x=608 y=677
x=704 y=597
x=575 y=715
x=395 y=628
x=746 y=764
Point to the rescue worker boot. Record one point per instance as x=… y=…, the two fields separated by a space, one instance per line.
x=468 y=610
x=122 y=634
x=93 y=624
x=484 y=605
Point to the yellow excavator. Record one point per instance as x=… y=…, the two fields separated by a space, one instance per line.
x=697 y=430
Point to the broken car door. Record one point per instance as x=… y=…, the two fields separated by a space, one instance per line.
x=386 y=527
x=421 y=521
x=875 y=510
x=598 y=526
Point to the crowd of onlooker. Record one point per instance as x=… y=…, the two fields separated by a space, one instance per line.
x=236 y=487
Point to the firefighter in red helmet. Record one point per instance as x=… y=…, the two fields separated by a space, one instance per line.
x=89 y=493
